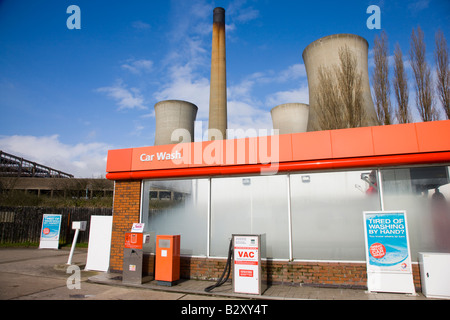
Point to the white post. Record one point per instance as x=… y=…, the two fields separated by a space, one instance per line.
x=74 y=243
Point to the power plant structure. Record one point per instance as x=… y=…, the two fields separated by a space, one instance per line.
x=218 y=84
x=290 y=117
x=175 y=114
x=324 y=53
x=171 y=115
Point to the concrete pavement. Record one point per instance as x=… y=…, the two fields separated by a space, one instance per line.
x=40 y=274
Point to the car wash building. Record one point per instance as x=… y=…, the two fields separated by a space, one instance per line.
x=305 y=191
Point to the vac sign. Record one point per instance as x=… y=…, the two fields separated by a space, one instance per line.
x=247 y=264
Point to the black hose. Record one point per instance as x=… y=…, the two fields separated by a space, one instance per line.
x=227 y=270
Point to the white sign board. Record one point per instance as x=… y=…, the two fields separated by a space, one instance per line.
x=99 y=243
x=51 y=226
x=388 y=257
x=138 y=227
x=247 y=264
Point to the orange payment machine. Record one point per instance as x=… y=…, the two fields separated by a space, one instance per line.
x=132 y=258
x=167 y=269
x=137 y=243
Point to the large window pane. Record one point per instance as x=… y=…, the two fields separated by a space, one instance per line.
x=424 y=193
x=327 y=214
x=250 y=205
x=178 y=207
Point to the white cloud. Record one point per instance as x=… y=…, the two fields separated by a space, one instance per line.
x=247 y=15
x=185 y=85
x=84 y=160
x=239 y=12
x=248 y=118
x=417 y=6
x=138 y=66
x=292 y=72
x=124 y=97
x=300 y=95
x=243 y=89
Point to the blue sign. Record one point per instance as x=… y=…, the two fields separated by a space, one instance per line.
x=387 y=241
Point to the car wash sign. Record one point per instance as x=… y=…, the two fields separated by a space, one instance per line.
x=388 y=255
x=247 y=264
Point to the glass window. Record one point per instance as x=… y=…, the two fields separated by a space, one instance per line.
x=250 y=205
x=178 y=207
x=424 y=193
x=327 y=213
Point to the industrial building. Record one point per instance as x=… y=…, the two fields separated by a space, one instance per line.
x=22 y=175
x=14 y=166
x=305 y=189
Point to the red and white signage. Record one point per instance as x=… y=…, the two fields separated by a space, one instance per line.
x=247 y=264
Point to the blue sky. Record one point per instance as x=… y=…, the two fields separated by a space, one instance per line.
x=67 y=96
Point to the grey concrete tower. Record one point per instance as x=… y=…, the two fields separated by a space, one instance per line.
x=290 y=117
x=171 y=115
x=324 y=52
x=218 y=83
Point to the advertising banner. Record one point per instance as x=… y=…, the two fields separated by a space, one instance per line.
x=51 y=226
x=388 y=255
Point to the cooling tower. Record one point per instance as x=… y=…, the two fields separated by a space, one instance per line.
x=218 y=83
x=171 y=115
x=325 y=52
x=290 y=117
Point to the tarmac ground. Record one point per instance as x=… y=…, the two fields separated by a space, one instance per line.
x=31 y=274
x=41 y=274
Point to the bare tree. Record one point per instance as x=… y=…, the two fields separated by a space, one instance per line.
x=400 y=84
x=422 y=75
x=380 y=78
x=331 y=116
x=443 y=71
x=339 y=95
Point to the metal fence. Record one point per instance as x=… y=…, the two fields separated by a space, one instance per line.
x=23 y=224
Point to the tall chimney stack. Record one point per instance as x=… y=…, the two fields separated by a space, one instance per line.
x=218 y=83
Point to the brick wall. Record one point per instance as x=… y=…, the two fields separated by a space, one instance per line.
x=324 y=274
x=126 y=211
x=351 y=275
